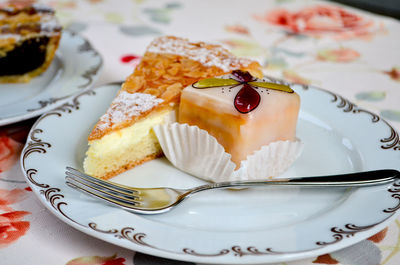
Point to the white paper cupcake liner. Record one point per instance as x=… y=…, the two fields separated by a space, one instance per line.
x=270 y=161
x=196 y=152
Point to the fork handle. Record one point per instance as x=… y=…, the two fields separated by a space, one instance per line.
x=366 y=178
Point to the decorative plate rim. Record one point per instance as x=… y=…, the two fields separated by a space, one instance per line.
x=52 y=198
x=89 y=77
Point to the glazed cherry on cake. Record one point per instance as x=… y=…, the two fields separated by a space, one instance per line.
x=241 y=111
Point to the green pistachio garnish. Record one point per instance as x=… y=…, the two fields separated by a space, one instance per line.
x=215 y=82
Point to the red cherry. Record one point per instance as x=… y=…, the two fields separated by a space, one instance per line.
x=243 y=76
x=247 y=99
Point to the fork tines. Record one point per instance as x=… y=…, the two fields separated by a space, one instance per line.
x=112 y=192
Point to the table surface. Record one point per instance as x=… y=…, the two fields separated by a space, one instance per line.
x=358 y=59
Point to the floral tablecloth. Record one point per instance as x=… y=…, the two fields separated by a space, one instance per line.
x=350 y=52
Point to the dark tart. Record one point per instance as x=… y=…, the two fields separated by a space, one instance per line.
x=29 y=38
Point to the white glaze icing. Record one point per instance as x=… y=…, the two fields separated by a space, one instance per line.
x=222 y=98
x=213 y=110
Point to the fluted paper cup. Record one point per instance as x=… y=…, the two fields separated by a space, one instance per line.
x=270 y=161
x=196 y=152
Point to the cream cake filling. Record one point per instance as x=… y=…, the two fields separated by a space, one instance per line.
x=106 y=153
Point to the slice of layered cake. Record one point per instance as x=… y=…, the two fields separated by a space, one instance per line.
x=29 y=38
x=123 y=137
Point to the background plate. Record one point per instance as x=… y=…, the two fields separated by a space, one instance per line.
x=248 y=226
x=74 y=68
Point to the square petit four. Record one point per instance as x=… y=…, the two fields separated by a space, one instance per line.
x=242 y=112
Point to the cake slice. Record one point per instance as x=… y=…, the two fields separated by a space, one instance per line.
x=242 y=112
x=123 y=137
x=29 y=38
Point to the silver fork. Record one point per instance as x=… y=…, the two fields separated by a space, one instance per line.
x=159 y=200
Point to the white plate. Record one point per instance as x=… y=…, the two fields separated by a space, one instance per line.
x=74 y=68
x=246 y=226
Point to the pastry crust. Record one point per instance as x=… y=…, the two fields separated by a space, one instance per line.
x=131 y=165
x=29 y=37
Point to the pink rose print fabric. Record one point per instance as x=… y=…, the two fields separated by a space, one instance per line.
x=320 y=43
x=12 y=227
x=320 y=20
x=97 y=260
x=340 y=55
x=9 y=152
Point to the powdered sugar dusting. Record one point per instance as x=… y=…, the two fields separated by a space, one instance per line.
x=49 y=23
x=127 y=105
x=16 y=37
x=207 y=54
